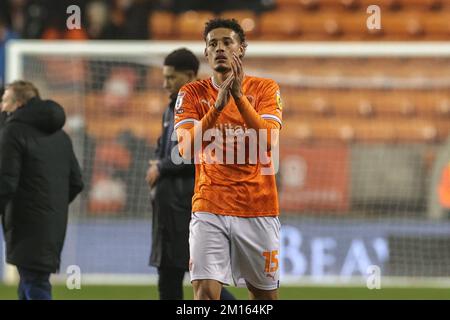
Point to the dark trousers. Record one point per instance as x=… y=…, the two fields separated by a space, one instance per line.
x=170 y=285
x=34 y=285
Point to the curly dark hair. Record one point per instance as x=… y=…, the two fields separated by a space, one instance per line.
x=224 y=23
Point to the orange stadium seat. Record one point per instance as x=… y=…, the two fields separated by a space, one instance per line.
x=307 y=104
x=154 y=78
x=108 y=129
x=389 y=105
x=279 y=25
x=420 y=104
x=363 y=106
x=395 y=25
x=443 y=127
x=404 y=25
x=291 y=21
x=398 y=25
x=332 y=25
x=437 y=24
x=315 y=4
x=149 y=104
x=428 y=4
x=146 y=105
x=310 y=130
x=402 y=4
x=328 y=24
x=328 y=4
x=189 y=25
x=310 y=4
x=160 y=24
x=350 y=25
x=348 y=4
x=368 y=103
x=69 y=101
x=427 y=103
x=442 y=107
x=417 y=131
x=288 y=4
x=337 y=4
x=246 y=18
x=383 y=4
x=319 y=25
x=380 y=104
x=370 y=130
x=365 y=130
x=93 y=103
x=339 y=130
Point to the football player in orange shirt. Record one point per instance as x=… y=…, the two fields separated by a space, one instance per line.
x=234 y=230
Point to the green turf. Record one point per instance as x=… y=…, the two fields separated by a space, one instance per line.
x=296 y=293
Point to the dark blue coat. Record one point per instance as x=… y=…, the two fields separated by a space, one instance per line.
x=172 y=202
x=39 y=177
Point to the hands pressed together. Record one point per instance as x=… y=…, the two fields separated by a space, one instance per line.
x=232 y=86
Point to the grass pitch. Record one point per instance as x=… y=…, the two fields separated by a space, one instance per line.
x=110 y=292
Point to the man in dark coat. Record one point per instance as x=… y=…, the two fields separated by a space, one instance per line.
x=172 y=188
x=39 y=177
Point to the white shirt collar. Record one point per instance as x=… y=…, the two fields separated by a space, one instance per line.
x=215 y=85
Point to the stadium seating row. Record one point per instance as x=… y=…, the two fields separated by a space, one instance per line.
x=327 y=24
x=367 y=130
x=311 y=104
x=367 y=67
x=343 y=130
x=352 y=4
x=109 y=128
x=380 y=104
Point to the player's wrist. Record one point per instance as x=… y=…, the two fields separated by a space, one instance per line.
x=218 y=108
x=237 y=96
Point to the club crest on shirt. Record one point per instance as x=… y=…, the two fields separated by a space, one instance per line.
x=179 y=102
x=279 y=101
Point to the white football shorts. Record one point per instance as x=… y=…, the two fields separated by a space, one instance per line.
x=235 y=249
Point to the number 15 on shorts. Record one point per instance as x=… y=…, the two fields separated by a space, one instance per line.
x=271 y=264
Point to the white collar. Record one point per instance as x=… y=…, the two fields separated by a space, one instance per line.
x=215 y=85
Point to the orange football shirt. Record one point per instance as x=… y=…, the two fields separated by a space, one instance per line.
x=237 y=189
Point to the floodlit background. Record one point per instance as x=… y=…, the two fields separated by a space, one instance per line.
x=364 y=175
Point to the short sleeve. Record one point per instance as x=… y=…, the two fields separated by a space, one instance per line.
x=185 y=110
x=271 y=106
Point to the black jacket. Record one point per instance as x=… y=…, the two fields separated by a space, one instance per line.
x=39 y=177
x=172 y=202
